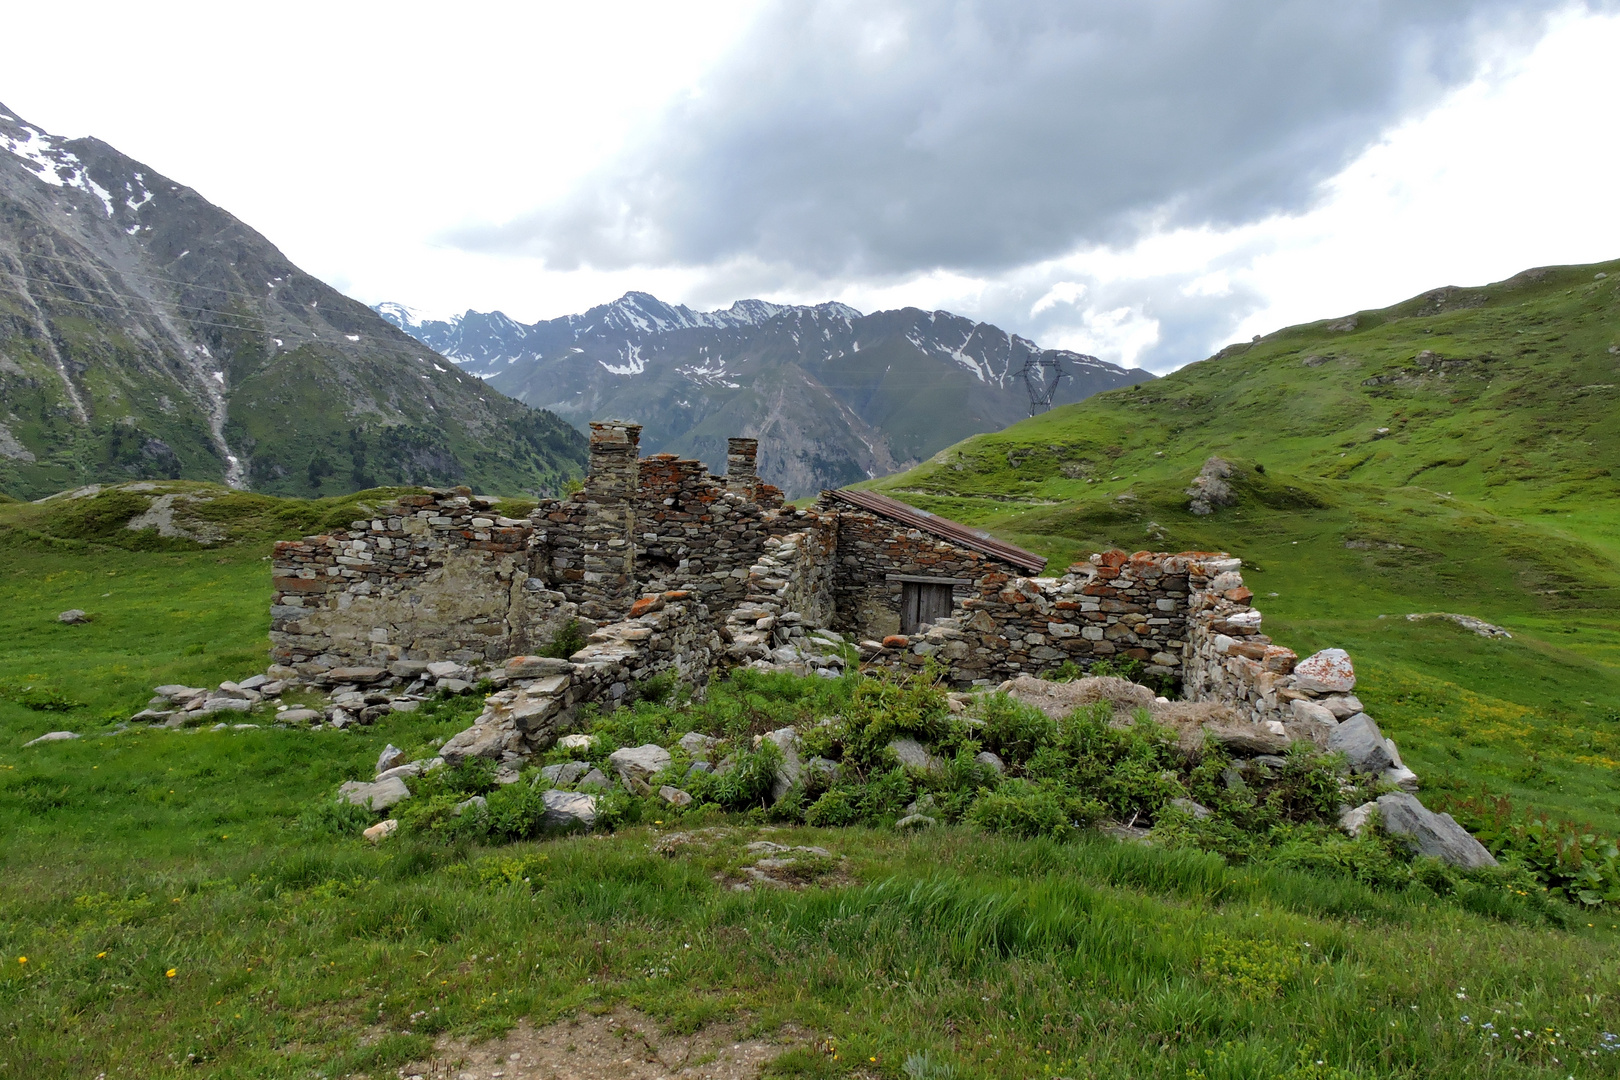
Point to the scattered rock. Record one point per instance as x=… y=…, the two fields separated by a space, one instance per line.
x=404 y=772
x=915 y=823
x=379 y=795
x=478 y=804
x=1198 y=811
x=990 y=761
x=697 y=744
x=481 y=740
x=1467 y=622
x=1326 y=672
x=1353 y=820
x=568 y=811
x=674 y=796
x=1428 y=833
x=449 y=669
x=791 y=771
x=564 y=774
x=637 y=764
x=151 y=716
x=596 y=780
x=52 y=736
x=1362 y=745
x=1059 y=699
x=73 y=617
x=914 y=755
x=390 y=757
x=1128 y=834
x=576 y=742
x=298 y=716
x=381 y=831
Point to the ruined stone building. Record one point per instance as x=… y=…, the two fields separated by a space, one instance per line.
x=660 y=564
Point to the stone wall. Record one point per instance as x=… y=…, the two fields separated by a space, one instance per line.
x=789 y=588
x=871 y=549
x=1116 y=606
x=436 y=576
x=540 y=697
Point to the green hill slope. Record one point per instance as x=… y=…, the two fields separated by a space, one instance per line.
x=1457 y=452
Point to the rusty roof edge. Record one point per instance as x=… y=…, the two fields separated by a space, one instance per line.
x=942 y=527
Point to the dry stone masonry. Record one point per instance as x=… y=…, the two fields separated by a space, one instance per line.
x=664 y=567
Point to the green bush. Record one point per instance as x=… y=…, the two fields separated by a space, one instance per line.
x=1023 y=809
x=1571 y=861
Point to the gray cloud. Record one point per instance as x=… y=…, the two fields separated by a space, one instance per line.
x=887 y=137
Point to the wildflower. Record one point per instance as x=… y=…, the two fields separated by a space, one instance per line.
x=171 y=972
x=101 y=956
x=22 y=959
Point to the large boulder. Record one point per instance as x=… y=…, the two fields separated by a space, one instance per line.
x=53 y=736
x=489 y=740
x=636 y=765
x=912 y=754
x=378 y=796
x=1362 y=745
x=791 y=771
x=1326 y=672
x=567 y=811
x=1059 y=699
x=1428 y=833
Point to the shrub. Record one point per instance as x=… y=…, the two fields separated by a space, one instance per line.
x=567 y=641
x=1013 y=729
x=1572 y=861
x=335 y=818
x=1023 y=809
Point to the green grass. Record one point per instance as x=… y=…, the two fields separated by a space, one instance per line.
x=298 y=954
x=957 y=952
x=1494 y=493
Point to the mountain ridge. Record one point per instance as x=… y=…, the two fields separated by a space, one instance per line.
x=834 y=395
x=146 y=333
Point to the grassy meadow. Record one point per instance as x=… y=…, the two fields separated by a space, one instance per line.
x=186 y=902
x=173 y=903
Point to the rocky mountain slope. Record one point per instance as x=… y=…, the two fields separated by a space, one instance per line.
x=146 y=333
x=834 y=396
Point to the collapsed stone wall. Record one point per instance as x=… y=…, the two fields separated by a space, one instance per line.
x=435 y=576
x=669 y=631
x=789 y=590
x=873 y=553
x=1115 y=606
x=439 y=576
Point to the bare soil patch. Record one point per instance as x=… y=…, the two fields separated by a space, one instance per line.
x=621 y=1045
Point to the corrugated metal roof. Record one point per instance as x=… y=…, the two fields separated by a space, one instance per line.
x=945 y=528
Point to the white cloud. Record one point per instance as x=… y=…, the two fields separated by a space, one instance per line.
x=357 y=147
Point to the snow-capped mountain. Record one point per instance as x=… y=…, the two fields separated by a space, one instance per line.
x=833 y=395
x=146 y=333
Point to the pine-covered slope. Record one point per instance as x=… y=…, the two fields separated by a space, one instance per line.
x=834 y=396
x=146 y=333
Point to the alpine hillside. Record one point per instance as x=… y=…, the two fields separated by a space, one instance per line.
x=1458 y=452
x=834 y=396
x=146 y=333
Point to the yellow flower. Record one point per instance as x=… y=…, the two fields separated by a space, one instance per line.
x=170 y=973
x=22 y=959
x=101 y=956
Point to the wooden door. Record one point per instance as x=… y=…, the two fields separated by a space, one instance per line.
x=922 y=603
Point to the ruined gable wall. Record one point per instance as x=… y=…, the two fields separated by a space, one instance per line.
x=435 y=576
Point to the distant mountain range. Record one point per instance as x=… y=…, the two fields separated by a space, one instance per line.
x=146 y=333
x=834 y=396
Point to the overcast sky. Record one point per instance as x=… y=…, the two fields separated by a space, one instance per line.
x=1145 y=180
